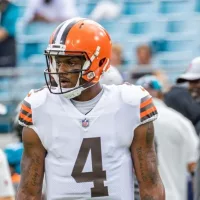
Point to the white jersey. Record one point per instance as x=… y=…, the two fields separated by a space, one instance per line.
x=88 y=156
x=177 y=147
x=6 y=187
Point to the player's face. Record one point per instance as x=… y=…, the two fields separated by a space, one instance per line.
x=194 y=87
x=68 y=65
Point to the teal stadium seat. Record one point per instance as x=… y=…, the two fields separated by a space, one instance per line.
x=176 y=26
x=118 y=27
x=141 y=27
x=90 y=7
x=197 y=6
x=155 y=28
x=33 y=36
x=175 y=6
x=132 y=7
x=5 y=89
x=179 y=44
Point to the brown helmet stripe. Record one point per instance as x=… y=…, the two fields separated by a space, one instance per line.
x=63 y=31
x=66 y=31
x=56 y=33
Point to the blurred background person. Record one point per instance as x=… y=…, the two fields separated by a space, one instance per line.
x=177 y=143
x=143 y=63
x=106 y=9
x=50 y=11
x=117 y=56
x=9 y=15
x=192 y=77
x=197 y=181
x=6 y=187
x=144 y=55
x=117 y=60
x=185 y=96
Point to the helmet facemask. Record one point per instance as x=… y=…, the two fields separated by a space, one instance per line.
x=53 y=77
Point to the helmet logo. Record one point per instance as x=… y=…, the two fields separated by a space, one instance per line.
x=91 y=75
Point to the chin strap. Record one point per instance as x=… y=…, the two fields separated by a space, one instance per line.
x=74 y=93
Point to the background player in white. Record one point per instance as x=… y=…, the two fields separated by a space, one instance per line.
x=87 y=137
x=177 y=143
x=6 y=187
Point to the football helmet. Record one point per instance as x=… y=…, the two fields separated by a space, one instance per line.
x=78 y=37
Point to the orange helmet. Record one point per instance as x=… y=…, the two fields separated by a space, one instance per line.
x=81 y=37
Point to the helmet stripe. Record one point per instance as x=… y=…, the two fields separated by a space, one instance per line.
x=64 y=30
x=56 y=32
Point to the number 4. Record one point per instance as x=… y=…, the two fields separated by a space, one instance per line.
x=97 y=176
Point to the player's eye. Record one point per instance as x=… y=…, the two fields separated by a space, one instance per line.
x=58 y=63
x=72 y=64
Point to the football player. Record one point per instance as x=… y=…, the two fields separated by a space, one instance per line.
x=85 y=136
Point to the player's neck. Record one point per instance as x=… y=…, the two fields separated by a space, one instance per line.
x=89 y=93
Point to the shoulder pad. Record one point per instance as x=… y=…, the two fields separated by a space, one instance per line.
x=132 y=94
x=138 y=97
x=34 y=99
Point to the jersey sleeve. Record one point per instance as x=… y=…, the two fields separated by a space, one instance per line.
x=29 y=111
x=25 y=114
x=141 y=103
x=148 y=111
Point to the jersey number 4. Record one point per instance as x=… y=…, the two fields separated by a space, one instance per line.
x=97 y=176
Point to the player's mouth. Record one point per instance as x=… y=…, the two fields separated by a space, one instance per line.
x=65 y=83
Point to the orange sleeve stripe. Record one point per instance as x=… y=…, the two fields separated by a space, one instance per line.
x=145 y=103
x=147 y=112
x=25 y=118
x=26 y=109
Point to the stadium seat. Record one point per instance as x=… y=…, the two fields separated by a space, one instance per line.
x=181 y=26
x=141 y=27
x=173 y=63
x=109 y=25
x=138 y=7
x=179 y=44
x=113 y=26
x=90 y=7
x=40 y=28
x=175 y=6
x=153 y=27
x=32 y=37
x=176 y=26
x=197 y=6
x=168 y=60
